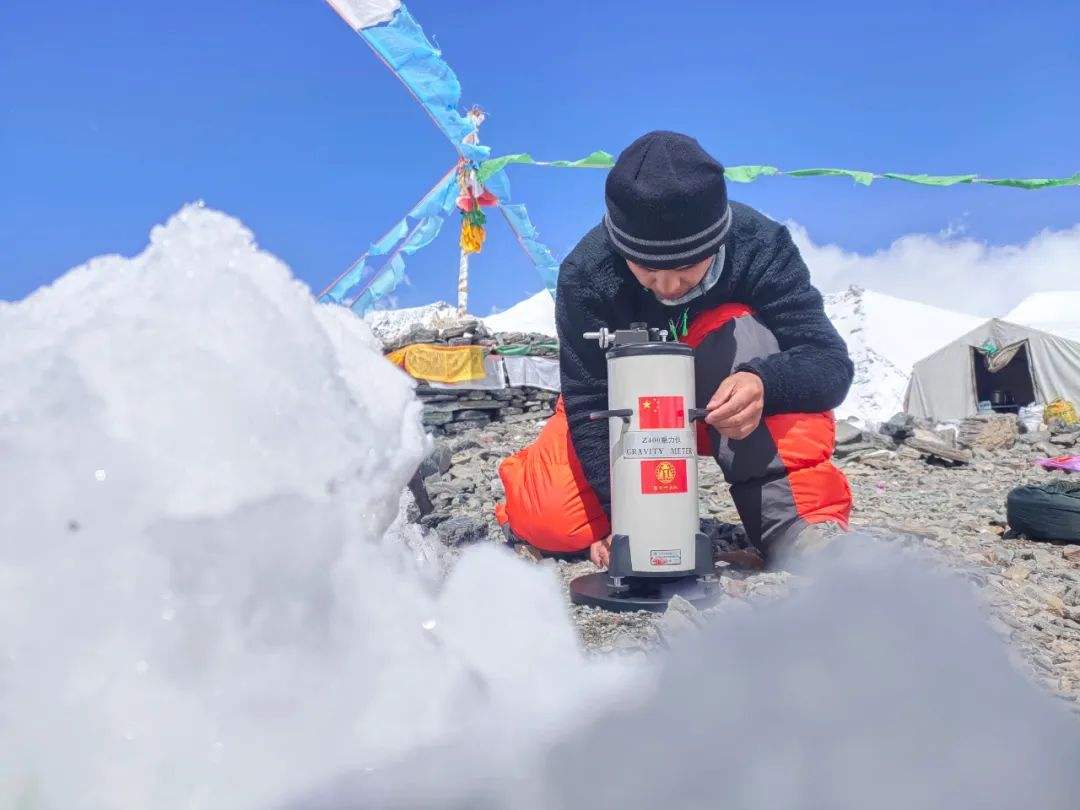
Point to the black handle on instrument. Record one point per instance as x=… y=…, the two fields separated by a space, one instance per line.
x=697 y=413
x=622 y=413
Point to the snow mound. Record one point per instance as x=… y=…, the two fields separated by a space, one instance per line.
x=886 y=336
x=1054 y=312
x=535 y=314
x=878 y=686
x=210 y=599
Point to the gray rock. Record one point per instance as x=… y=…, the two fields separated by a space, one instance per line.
x=463 y=405
x=438 y=462
x=434 y=519
x=1035 y=437
x=459 y=329
x=436 y=417
x=444 y=487
x=454 y=428
x=847 y=433
x=1060 y=426
x=528 y=417
x=849 y=450
x=459 y=531
x=473 y=416
x=427 y=394
x=463 y=444
x=1064 y=439
x=899 y=427
x=938 y=449
x=680 y=617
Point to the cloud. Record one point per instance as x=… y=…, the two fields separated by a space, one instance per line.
x=949 y=270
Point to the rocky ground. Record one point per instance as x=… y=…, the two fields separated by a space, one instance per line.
x=912 y=485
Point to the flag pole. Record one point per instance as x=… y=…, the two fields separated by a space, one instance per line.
x=476 y=115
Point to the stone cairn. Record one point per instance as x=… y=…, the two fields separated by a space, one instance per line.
x=452 y=412
x=449 y=411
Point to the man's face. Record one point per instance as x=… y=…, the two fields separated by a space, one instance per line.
x=670 y=284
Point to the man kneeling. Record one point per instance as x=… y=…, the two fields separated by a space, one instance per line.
x=672 y=252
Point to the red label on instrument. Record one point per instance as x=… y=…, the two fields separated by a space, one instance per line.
x=663 y=477
x=661 y=412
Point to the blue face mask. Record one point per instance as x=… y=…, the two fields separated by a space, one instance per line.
x=712 y=275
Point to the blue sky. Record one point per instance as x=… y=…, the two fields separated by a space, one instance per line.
x=114 y=115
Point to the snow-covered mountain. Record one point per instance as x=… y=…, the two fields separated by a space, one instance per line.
x=886 y=336
x=390 y=324
x=1054 y=312
x=535 y=314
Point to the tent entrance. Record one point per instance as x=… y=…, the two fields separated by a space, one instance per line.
x=1004 y=378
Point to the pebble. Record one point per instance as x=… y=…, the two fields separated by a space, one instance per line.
x=459 y=531
x=1017 y=573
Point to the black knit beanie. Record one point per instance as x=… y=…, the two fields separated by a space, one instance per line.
x=667 y=202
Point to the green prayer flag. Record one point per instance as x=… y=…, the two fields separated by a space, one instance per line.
x=1036 y=182
x=932 y=180
x=597 y=160
x=494 y=165
x=862 y=178
x=750 y=173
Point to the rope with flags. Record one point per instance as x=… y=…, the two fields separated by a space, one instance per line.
x=479 y=181
x=748 y=174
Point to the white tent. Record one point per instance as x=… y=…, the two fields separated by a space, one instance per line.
x=999 y=362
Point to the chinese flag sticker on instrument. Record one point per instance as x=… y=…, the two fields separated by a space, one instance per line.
x=661 y=412
x=663 y=476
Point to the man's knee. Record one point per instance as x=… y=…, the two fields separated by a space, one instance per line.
x=781 y=476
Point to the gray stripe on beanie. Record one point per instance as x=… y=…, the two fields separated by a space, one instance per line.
x=666 y=242
x=613 y=234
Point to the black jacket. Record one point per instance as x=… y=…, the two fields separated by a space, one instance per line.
x=762 y=269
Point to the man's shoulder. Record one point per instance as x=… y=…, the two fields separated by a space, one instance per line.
x=750 y=225
x=592 y=265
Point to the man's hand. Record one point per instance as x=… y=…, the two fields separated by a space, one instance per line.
x=735 y=409
x=600 y=552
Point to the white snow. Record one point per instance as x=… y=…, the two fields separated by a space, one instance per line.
x=874 y=684
x=534 y=314
x=1054 y=312
x=209 y=599
x=391 y=324
x=886 y=336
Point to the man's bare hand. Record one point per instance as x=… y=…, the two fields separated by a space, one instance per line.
x=600 y=552
x=735 y=409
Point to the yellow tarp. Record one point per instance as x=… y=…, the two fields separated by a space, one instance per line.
x=1062 y=410
x=448 y=364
